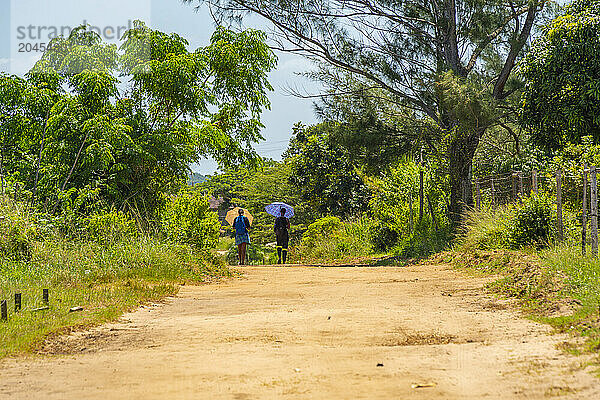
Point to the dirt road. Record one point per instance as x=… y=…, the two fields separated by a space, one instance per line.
x=312 y=333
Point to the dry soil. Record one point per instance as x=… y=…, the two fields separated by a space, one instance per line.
x=424 y=332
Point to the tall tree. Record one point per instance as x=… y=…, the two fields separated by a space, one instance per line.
x=96 y=124
x=403 y=49
x=561 y=102
x=323 y=172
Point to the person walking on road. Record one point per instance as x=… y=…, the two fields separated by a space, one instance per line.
x=282 y=226
x=242 y=235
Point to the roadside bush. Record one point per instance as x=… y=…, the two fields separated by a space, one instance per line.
x=486 y=229
x=329 y=238
x=18 y=231
x=533 y=222
x=321 y=229
x=187 y=218
x=110 y=226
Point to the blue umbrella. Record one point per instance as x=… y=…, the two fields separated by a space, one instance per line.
x=274 y=209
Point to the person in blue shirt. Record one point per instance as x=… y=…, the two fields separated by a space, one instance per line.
x=242 y=236
x=282 y=226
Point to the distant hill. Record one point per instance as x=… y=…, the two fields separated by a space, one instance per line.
x=195 y=178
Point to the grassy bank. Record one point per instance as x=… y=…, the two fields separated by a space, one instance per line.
x=554 y=283
x=105 y=277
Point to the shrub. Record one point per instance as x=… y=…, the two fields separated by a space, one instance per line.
x=187 y=218
x=321 y=229
x=110 y=226
x=383 y=236
x=486 y=229
x=329 y=238
x=533 y=222
x=18 y=231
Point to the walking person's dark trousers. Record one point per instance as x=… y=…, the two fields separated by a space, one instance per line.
x=283 y=239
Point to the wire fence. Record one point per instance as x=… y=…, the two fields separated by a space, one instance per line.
x=581 y=190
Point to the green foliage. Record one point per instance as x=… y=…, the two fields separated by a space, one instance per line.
x=111 y=226
x=533 y=222
x=19 y=230
x=187 y=218
x=530 y=223
x=561 y=103
x=395 y=208
x=487 y=229
x=125 y=123
x=324 y=172
x=329 y=239
x=106 y=276
x=323 y=228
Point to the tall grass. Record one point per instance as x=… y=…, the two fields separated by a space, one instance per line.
x=105 y=277
x=330 y=239
x=554 y=281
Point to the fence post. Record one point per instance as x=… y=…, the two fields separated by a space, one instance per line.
x=594 y=210
x=478 y=194
x=492 y=189
x=513 y=181
x=3 y=311
x=559 y=216
x=534 y=181
x=584 y=211
x=520 y=185
x=45 y=296
x=17 y=302
x=410 y=214
x=421 y=194
x=435 y=224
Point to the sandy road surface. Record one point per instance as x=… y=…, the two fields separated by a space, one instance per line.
x=311 y=333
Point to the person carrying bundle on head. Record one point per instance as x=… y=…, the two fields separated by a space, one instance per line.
x=282 y=226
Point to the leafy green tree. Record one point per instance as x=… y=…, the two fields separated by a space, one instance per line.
x=93 y=125
x=445 y=64
x=561 y=103
x=324 y=172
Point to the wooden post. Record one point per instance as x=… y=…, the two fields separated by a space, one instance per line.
x=584 y=211
x=514 y=186
x=421 y=194
x=534 y=181
x=411 y=221
x=594 y=210
x=3 y=311
x=521 y=185
x=17 y=302
x=46 y=296
x=559 y=216
x=492 y=190
x=478 y=195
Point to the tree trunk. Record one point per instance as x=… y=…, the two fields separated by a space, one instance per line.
x=460 y=155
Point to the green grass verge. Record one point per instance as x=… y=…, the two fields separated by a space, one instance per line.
x=105 y=279
x=557 y=286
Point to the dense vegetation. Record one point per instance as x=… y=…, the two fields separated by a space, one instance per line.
x=97 y=142
x=96 y=147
